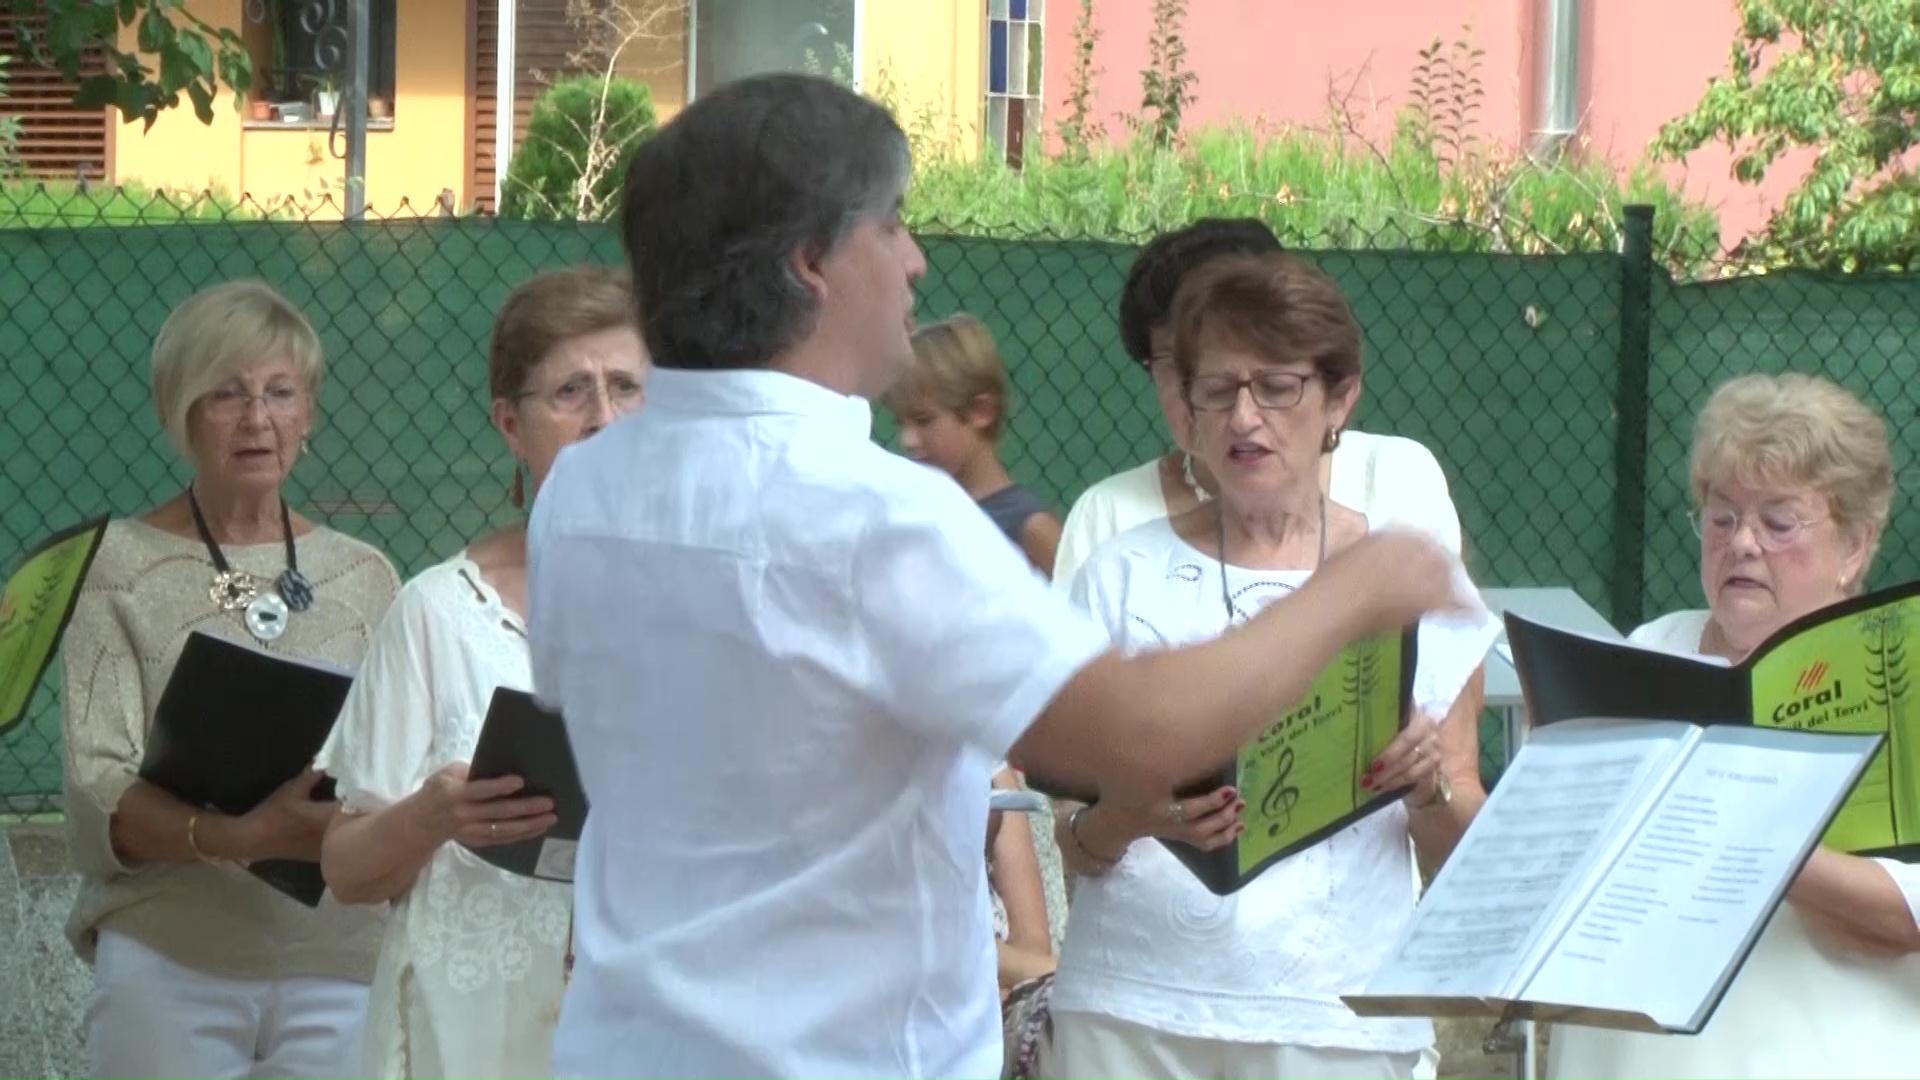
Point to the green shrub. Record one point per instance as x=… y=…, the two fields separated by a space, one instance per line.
x=583 y=132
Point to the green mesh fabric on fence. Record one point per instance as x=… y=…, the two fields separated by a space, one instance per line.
x=1507 y=367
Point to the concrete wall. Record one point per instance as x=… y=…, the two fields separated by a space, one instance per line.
x=43 y=987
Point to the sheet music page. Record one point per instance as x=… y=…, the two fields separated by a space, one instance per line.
x=1564 y=803
x=1704 y=870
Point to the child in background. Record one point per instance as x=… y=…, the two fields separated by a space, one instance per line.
x=951 y=409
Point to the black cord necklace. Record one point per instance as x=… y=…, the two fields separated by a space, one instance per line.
x=1220 y=535
x=233 y=590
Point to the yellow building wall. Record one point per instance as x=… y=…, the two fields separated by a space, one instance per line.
x=408 y=165
x=924 y=58
x=927 y=60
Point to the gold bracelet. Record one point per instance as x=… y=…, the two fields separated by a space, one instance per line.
x=1079 y=845
x=193 y=839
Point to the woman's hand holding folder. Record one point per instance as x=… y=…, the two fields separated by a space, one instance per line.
x=375 y=857
x=288 y=824
x=480 y=813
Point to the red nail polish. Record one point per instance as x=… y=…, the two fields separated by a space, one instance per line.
x=1378 y=765
x=1366 y=782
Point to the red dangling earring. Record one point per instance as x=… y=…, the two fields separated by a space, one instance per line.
x=519 y=492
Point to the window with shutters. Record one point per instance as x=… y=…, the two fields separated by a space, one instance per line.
x=57 y=140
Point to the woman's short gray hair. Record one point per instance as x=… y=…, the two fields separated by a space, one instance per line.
x=717 y=204
x=1784 y=431
x=218 y=333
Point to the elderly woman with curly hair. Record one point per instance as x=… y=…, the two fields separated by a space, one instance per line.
x=1792 y=485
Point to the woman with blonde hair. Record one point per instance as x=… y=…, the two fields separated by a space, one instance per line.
x=475 y=958
x=200 y=968
x=1792 y=483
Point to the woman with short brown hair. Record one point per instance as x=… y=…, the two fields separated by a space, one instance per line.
x=475 y=958
x=1158 y=976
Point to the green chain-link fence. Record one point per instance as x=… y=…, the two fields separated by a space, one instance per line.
x=1557 y=390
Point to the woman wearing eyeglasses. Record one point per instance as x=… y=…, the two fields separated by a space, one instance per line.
x=1158 y=976
x=1792 y=482
x=474 y=959
x=200 y=968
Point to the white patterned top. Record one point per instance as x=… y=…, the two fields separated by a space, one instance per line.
x=1149 y=944
x=472 y=966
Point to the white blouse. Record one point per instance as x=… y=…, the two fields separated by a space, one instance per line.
x=473 y=963
x=1798 y=1008
x=1148 y=944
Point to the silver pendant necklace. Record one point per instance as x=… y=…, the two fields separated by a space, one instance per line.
x=265 y=612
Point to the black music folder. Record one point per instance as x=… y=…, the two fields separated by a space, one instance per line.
x=520 y=738
x=233 y=724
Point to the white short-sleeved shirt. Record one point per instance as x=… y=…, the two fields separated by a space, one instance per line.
x=1147 y=943
x=474 y=959
x=1798 y=1008
x=1390 y=479
x=788 y=661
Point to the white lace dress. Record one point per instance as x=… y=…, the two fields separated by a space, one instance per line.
x=473 y=963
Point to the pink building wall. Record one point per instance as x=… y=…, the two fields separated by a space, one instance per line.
x=1642 y=63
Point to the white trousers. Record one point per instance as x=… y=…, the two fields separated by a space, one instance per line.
x=1089 y=1046
x=153 y=1017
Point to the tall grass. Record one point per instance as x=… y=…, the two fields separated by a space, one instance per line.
x=1315 y=190
x=49 y=204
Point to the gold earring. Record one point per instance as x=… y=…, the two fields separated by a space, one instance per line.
x=519 y=492
x=1332 y=441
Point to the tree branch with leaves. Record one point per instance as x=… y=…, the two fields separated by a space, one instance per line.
x=1840 y=78
x=175 y=52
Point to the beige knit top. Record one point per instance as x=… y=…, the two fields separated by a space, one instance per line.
x=146 y=591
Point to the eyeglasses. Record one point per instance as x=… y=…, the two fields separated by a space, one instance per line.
x=623 y=392
x=1775 y=529
x=233 y=402
x=1271 y=390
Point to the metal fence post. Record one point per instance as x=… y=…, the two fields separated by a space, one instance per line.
x=360 y=29
x=1630 y=409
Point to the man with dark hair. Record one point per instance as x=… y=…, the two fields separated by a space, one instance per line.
x=1397 y=478
x=787 y=658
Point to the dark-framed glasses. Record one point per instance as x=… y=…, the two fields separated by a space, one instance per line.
x=1775 y=528
x=1270 y=389
x=623 y=392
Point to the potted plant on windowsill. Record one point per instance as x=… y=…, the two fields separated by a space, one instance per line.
x=326 y=95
